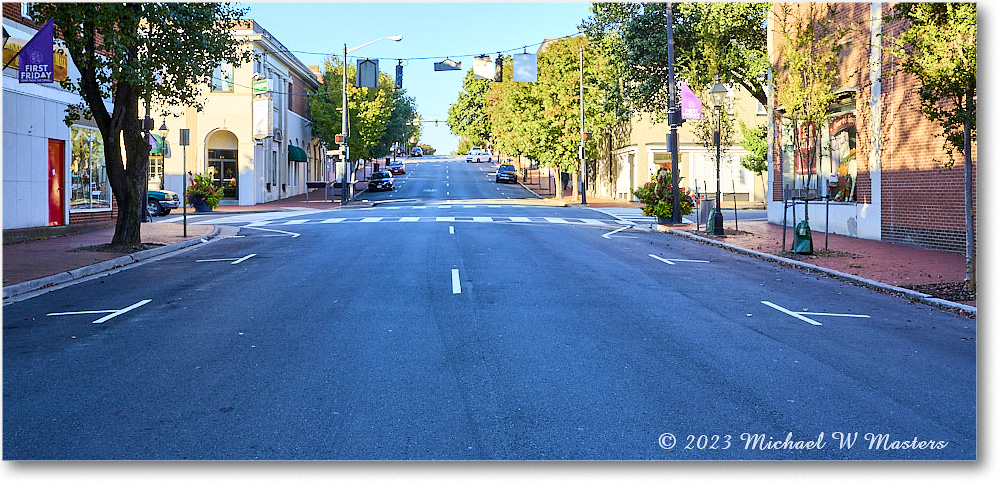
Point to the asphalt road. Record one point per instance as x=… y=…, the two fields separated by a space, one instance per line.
x=451 y=323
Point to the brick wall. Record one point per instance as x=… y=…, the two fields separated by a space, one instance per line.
x=922 y=201
x=298 y=102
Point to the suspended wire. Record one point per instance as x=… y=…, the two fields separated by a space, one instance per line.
x=337 y=55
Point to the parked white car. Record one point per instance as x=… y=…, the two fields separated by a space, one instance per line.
x=477 y=156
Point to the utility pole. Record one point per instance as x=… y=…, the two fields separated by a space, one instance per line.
x=674 y=117
x=583 y=139
x=345 y=179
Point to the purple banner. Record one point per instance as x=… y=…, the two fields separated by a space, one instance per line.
x=34 y=63
x=690 y=104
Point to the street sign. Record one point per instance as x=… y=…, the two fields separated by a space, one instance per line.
x=261 y=86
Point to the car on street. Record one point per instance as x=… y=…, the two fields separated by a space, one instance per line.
x=507 y=174
x=380 y=181
x=397 y=167
x=417 y=151
x=161 y=202
x=478 y=156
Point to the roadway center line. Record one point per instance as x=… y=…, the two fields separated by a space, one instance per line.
x=456 y=283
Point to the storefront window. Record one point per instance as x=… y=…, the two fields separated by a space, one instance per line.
x=223 y=167
x=89 y=187
x=824 y=164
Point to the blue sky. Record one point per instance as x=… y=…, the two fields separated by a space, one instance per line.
x=432 y=30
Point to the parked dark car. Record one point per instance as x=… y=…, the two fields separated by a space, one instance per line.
x=161 y=202
x=397 y=167
x=381 y=180
x=417 y=151
x=507 y=173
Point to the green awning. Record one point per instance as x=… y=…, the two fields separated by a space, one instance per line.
x=156 y=144
x=296 y=154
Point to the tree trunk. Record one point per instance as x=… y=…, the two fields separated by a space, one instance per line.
x=128 y=180
x=559 y=185
x=970 y=236
x=575 y=176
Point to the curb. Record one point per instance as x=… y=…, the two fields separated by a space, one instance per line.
x=79 y=273
x=879 y=286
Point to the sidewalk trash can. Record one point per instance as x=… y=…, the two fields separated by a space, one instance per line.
x=705 y=209
x=802 y=243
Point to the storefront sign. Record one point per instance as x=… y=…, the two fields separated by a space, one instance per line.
x=262 y=119
x=262 y=86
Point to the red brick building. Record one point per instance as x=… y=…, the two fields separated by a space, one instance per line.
x=879 y=160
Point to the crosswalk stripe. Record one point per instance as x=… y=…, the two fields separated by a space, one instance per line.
x=482 y=219
x=556 y=220
x=333 y=220
x=520 y=219
x=295 y=222
x=409 y=219
x=371 y=219
x=592 y=221
x=446 y=219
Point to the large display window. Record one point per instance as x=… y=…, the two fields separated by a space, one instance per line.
x=89 y=185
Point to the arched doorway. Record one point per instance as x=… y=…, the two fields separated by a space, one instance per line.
x=223 y=163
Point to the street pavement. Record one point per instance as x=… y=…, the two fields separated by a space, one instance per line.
x=457 y=319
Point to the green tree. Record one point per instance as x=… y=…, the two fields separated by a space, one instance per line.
x=139 y=53
x=467 y=117
x=807 y=75
x=938 y=45
x=369 y=116
x=400 y=127
x=515 y=114
x=755 y=141
x=724 y=39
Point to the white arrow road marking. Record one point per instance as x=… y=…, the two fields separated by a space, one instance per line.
x=456 y=283
x=799 y=314
x=613 y=232
x=293 y=234
x=675 y=261
x=113 y=312
x=235 y=260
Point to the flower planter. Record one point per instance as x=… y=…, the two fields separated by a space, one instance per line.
x=200 y=205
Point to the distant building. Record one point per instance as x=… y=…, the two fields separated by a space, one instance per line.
x=640 y=149
x=53 y=175
x=257 y=145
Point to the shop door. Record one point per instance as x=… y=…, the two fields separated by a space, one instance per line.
x=57 y=180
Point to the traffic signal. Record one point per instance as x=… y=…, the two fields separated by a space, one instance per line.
x=399 y=76
x=499 y=75
x=338 y=138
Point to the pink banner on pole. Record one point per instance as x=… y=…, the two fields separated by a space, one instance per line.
x=690 y=104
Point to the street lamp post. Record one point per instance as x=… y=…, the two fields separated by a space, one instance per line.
x=718 y=93
x=345 y=151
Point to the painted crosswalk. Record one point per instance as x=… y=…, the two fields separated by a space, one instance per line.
x=450 y=219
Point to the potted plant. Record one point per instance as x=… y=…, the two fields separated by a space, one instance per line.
x=202 y=194
x=658 y=201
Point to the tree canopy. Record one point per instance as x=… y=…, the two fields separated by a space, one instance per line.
x=130 y=53
x=378 y=116
x=724 y=39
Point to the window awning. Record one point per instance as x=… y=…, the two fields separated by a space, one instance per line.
x=296 y=154
x=156 y=144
